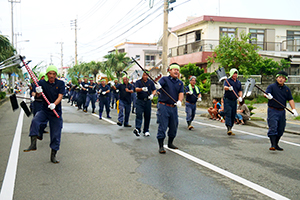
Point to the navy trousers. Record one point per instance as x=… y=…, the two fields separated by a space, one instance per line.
x=103 y=101
x=276 y=122
x=167 y=117
x=190 y=110
x=124 y=106
x=230 y=107
x=143 y=107
x=55 y=127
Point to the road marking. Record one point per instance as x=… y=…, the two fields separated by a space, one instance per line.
x=105 y=119
x=245 y=132
x=232 y=176
x=8 y=185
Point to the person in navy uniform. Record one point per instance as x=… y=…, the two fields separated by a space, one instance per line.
x=114 y=94
x=54 y=90
x=133 y=98
x=167 y=113
x=84 y=86
x=37 y=106
x=125 y=89
x=91 y=95
x=276 y=113
x=103 y=92
x=193 y=95
x=145 y=90
x=230 y=104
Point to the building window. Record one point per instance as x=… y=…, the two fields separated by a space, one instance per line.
x=137 y=57
x=150 y=60
x=293 y=40
x=198 y=35
x=259 y=34
x=229 y=31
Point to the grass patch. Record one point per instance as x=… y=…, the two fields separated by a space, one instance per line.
x=297 y=118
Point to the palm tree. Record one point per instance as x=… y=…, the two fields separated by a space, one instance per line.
x=117 y=63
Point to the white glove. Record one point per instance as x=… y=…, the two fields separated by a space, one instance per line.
x=240 y=99
x=117 y=91
x=150 y=97
x=230 y=88
x=86 y=85
x=51 y=106
x=99 y=91
x=269 y=96
x=39 y=89
x=190 y=92
x=199 y=99
x=295 y=112
x=145 y=89
x=104 y=93
x=32 y=98
x=157 y=86
x=112 y=83
x=178 y=103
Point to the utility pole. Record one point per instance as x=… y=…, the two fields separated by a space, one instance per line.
x=165 y=36
x=74 y=23
x=61 y=57
x=12 y=19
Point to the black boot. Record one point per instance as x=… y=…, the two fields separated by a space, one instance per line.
x=273 y=142
x=53 y=156
x=32 y=146
x=170 y=143
x=229 y=131
x=161 y=146
x=276 y=144
x=93 y=111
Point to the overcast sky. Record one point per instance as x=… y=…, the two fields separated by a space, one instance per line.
x=102 y=24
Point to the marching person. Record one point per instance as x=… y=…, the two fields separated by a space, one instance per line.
x=69 y=86
x=82 y=94
x=167 y=113
x=125 y=90
x=91 y=95
x=37 y=106
x=276 y=113
x=230 y=104
x=114 y=94
x=192 y=96
x=103 y=98
x=145 y=90
x=54 y=90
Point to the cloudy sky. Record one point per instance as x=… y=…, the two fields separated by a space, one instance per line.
x=102 y=24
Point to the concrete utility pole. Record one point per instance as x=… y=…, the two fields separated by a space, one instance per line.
x=165 y=50
x=74 y=23
x=12 y=19
x=61 y=57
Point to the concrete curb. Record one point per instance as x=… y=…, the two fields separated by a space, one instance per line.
x=2 y=101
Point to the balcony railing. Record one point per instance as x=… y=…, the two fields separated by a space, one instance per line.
x=210 y=45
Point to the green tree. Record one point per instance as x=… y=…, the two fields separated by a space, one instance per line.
x=116 y=62
x=240 y=53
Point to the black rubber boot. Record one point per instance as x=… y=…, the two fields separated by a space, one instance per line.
x=93 y=111
x=273 y=142
x=170 y=143
x=276 y=144
x=229 y=131
x=32 y=146
x=53 y=156
x=188 y=123
x=161 y=146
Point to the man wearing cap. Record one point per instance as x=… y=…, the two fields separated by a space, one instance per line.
x=91 y=96
x=276 y=113
x=167 y=113
x=125 y=90
x=115 y=94
x=103 y=98
x=54 y=90
x=145 y=90
x=230 y=104
x=84 y=87
x=193 y=95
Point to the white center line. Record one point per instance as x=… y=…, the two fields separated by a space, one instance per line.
x=8 y=185
x=108 y=120
x=232 y=176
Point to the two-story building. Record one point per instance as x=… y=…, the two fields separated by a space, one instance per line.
x=197 y=38
x=147 y=54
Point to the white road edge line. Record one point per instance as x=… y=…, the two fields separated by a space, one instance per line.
x=108 y=120
x=8 y=185
x=232 y=176
x=245 y=132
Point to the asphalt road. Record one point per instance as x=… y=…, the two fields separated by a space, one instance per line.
x=100 y=160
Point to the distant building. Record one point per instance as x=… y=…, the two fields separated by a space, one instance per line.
x=148 y=55
x=197 y=38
